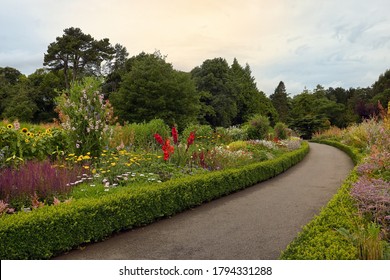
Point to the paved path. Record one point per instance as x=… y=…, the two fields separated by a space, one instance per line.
x=256 y=223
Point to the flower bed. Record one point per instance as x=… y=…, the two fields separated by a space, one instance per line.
x=50 y=230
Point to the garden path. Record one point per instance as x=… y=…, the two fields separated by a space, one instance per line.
x=256 y=223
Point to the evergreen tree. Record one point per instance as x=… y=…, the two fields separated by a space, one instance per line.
x=76 y=53
x=281 y=102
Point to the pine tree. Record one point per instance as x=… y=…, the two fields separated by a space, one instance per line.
x=281 y=102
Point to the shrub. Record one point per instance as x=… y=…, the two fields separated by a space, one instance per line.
x=258 y=127
x=232 y=133
x=139 y=136
x=281 y=131
x=237 y=145
x=373 y=199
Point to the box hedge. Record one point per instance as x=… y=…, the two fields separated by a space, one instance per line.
x=48 y=231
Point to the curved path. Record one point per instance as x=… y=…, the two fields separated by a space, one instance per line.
x=256 y=223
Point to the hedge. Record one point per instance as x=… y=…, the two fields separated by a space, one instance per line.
x=48 y=231
x=320 y=239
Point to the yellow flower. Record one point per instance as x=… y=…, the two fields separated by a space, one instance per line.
x=113 y=163
x=71 y=155
x=24 y=129
x=86 y=167
x=86 y=157
x=94 y=171
x=27 y=141
x=10 y=126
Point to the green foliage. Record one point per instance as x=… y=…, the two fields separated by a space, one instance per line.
x=48 y=231
x=139 y=136
x=258 y=127
x=229 y=94
x=281 y=102
x=85 y=116
x=153 y=89
x=77 y=53
x=237 y=145
x=281 y=131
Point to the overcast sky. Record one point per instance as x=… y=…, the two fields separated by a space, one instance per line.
x=300 y=42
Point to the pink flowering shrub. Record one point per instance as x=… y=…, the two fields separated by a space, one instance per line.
x=373 y=199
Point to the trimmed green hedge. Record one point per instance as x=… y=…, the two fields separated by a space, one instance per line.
x=50 y=230
x=319 y=239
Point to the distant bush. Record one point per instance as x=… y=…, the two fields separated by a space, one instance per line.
x=281 y=131
x=258 y=127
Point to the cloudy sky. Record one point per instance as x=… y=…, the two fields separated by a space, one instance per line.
x=300 y=42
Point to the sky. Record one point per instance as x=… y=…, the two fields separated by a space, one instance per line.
x=303 y=43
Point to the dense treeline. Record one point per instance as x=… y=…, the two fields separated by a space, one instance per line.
x=146 y=86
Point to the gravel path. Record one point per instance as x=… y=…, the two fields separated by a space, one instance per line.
x=256 y=223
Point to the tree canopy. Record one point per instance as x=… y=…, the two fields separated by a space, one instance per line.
x=76 y=53
x=153 y=89
x=281 y=102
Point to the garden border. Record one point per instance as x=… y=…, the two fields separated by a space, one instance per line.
x=51 y=230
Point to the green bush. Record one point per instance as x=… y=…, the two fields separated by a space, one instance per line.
x=139 y=135
x=281 y=131
x=48 y=231
x=258 y=127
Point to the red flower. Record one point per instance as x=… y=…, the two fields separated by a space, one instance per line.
x=167 y=149
x=175 y=135
x=158 y=138
x=190 y=139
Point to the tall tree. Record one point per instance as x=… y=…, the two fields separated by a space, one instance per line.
x=116 y=70
x=45 y=86
x=381 y=89
x=213 y=76
x=153 y=89
x=250 y=101
x=281 y=102
x=76 y=52
x=9 y=78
